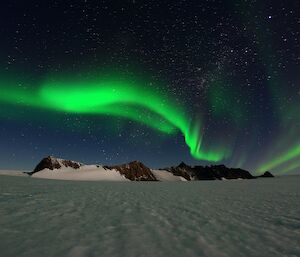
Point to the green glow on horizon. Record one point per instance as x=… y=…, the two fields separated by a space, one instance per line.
x=290 y=167
x=115 y=97
x=289 y=155
x=288 y=114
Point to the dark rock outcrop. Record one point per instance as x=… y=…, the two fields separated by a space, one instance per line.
x=209 y=172
x=182 y=170
x=52 y=163
x=135 y=171
x=267 y=174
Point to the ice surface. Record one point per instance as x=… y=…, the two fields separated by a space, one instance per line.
x=13 y=173
x=40 y=217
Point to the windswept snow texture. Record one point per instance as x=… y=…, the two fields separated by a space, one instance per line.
x=41 y=217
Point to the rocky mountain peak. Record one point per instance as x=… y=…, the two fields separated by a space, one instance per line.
x=183 y=165
x=134 y=170
x=267 y=174
x=52 y=163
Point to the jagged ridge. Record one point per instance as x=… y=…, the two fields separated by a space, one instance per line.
x=52 y=163
x=137 y=171
x=209 y=172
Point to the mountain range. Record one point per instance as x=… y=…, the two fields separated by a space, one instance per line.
x=57 y=168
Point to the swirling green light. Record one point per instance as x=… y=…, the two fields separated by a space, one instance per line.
x=116 y=97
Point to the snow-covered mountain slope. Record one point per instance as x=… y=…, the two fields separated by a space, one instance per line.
x=57 y=168
x=163 y=175
x=135 y=171
x=85 y=172
x=52 y=163
x=97 y=173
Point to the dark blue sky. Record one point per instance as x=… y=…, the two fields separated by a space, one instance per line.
x=235 y=64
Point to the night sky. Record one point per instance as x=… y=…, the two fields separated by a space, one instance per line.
x=162 y=82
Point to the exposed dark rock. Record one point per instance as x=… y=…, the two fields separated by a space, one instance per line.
x=182 y=165
x=72 y=164
x=209 y=172
x=135 y=171
x=182 y=170
x=52 y=163
x=267 y=174
x=203 y=173
x=221 y=171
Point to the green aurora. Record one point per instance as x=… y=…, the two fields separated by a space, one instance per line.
x=283 y=159
x=116 y=97
x=132 y=99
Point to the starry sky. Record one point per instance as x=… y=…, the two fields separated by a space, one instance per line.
x=204 y=82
